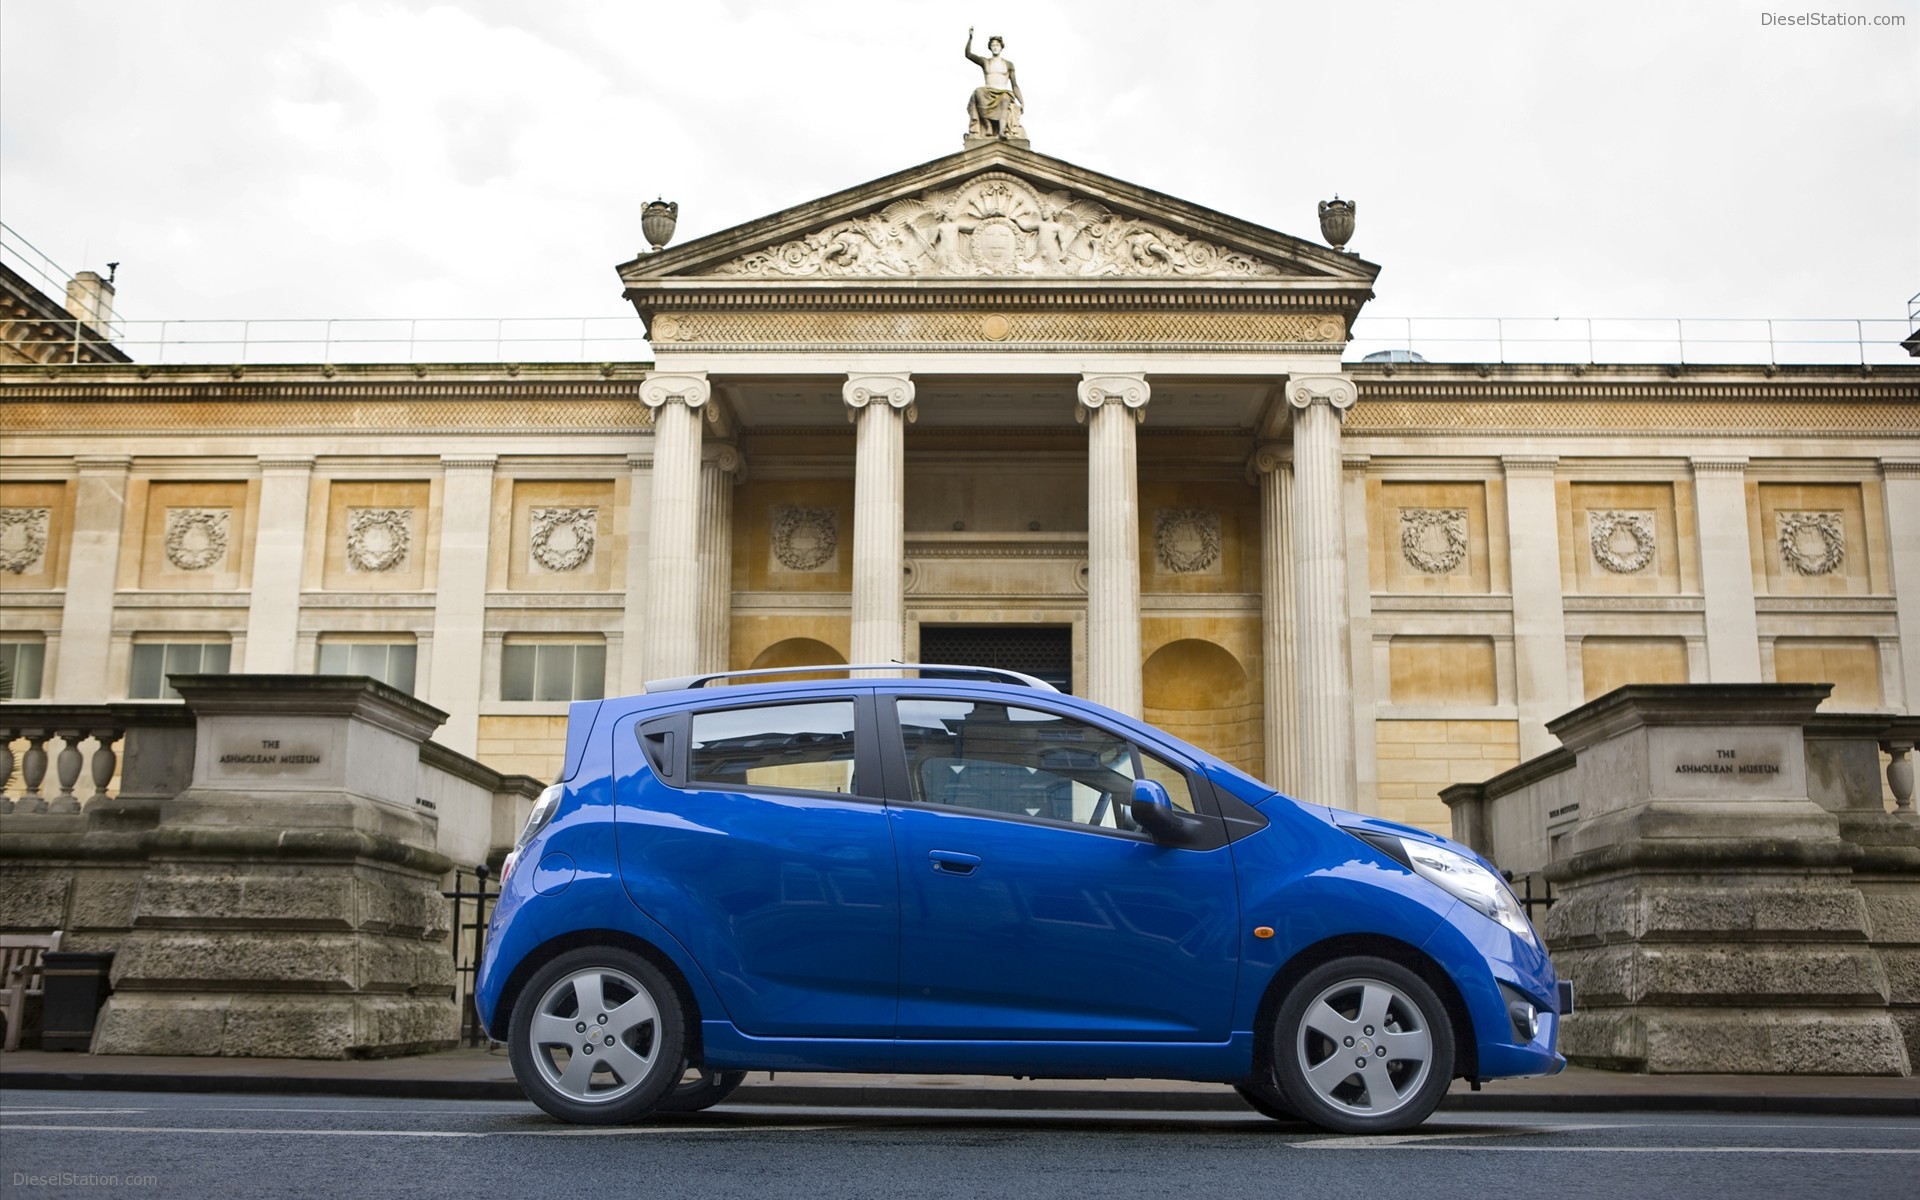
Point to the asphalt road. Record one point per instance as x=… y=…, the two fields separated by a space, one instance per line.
x=155 y=1144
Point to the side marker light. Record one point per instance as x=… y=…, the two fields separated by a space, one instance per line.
x=1263 y=931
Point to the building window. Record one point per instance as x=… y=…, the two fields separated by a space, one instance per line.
x=390 y=662
x=21 y=665
x=553 y=671
x=154 y=661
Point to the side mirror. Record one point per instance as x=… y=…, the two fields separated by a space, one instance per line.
x=1152 y=809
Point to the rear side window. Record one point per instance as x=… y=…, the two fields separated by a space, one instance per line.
x=793 y=747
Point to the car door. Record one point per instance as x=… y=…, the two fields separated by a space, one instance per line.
x=755 y=833
x=1030 y=907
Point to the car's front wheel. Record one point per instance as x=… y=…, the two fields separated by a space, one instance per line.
x=1362 y=1045
x=597 y=1037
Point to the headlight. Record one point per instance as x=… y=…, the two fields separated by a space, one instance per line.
x=1469 y=882
x=536 y=821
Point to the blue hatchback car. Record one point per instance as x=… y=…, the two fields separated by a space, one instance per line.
x=967 y=871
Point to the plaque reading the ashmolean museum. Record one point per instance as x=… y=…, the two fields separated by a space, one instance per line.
x=1715 y=760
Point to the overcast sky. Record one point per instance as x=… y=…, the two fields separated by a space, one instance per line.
x=402 y=159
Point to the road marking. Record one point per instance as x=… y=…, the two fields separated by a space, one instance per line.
x=1332 y=1144
x=70 y=1112
x=570 y=1131
x=1390 y=1141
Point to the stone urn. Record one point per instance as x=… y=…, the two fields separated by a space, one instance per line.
x=1336 y=221
x=658 y=217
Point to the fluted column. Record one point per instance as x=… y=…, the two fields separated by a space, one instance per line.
x=93 y=570
x=673 y=541
x=719 y=471
x=1902 y=497
x=1274 y=472
x=880 y=407
x=460 y=597
x=1726 y=570
x=279 y=561
x=1325 y=688
x=1110 y=406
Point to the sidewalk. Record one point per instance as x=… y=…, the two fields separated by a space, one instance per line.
x=481 y=1075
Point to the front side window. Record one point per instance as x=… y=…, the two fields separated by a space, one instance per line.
x=392 y=663
x=21 y=666
x=1023 y=762
x=553 y=671
x=154 y=661
x=799 y=747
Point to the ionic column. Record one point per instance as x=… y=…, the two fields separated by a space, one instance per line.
x=1539 y=602
x=1726 y=570
x=673 y=540
x=279 y=561
x=460 y=597
x=1274 y=471
x=719 y=471
x=93 y=570
x=879 y=406
x=1325 y=687
x=1110 y=406
x=1902 y=493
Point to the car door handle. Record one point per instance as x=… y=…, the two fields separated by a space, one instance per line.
x=952 y=862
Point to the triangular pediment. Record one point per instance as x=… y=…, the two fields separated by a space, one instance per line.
x=999 y=214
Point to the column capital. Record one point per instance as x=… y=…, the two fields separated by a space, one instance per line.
x=664 y=387
x=1335 y=391
x=1268 y=458
x=286 y=464
x=724 y=457
x=1719 y=466
x=102 y=464
x=1529 y=464
x=1900 y=468
x=450 y=463
x=1129 y=390
x=895 y=390
x=639 y=462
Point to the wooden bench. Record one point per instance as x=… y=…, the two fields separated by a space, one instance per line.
x=22 y=974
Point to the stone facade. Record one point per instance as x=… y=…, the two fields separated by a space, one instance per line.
x=1068 y=404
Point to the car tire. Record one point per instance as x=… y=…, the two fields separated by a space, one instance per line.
x=597 y=1036
x=1362 y=1045
x=699 y=1089
x=1263 y=1095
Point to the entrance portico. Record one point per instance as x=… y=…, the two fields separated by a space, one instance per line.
x=999 y=389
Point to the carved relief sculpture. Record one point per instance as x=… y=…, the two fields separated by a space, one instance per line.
x=1812 y=543
x=23 y=538
x=377 y=538
x=562 y=538
x=1433 y=540
x=1622 y=542
x=804 y=539
x=197 y=537
x=993 y=111
x=996 y=224
x=1186 y=541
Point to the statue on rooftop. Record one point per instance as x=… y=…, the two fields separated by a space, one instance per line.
x=994 y=109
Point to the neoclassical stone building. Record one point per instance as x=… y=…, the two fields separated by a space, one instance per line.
x=996 y=408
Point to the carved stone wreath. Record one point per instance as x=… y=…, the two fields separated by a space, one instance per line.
x=197 y=537
x=23 y=538
x=804 y=539
x=563 y=537
x=1604 y=531
x=1812 y=543
x=377 y=538
x=1434 y=540
x=1186 y=540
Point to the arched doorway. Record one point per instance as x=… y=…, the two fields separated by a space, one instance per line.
x=1198 y=691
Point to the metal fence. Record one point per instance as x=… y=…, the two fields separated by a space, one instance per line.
x=1839 y=341
x=469 y=944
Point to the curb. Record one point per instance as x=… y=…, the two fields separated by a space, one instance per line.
x=1015 y=1099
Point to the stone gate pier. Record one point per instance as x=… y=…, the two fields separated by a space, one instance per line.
x=1734 y=889
x=269 y=872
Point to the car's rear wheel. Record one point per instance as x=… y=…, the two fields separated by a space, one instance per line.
x=597 y=1037
x=1363 y=1045
x=699 y=1088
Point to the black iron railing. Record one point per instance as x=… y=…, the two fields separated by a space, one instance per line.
x=470 y=936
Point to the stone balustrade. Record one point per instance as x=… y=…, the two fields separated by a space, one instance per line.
x=89 y=750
